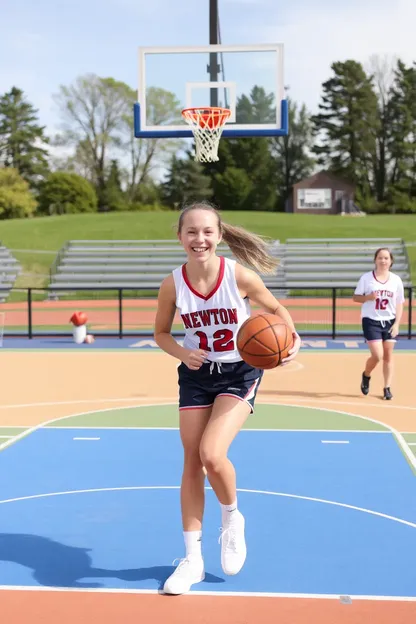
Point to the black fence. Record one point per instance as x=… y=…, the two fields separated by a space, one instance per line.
x=123 y=312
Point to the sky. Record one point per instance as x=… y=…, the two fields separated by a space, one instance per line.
x=48 y=43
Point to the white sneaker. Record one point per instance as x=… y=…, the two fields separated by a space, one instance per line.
x=189 y=571
x=233 y=544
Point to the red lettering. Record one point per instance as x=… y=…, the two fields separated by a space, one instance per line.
x=186 y=321
x=195 y=320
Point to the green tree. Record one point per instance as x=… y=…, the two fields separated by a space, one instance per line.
x=113 y=196
x=402 y=142
x=185 y=182
x=347 y=124
x=251 y=155
x=16 y=200
x=163 y=108
x=67 y=193
x=93 y=110
x=22 y=138
x=293 y=152
x=259 y=107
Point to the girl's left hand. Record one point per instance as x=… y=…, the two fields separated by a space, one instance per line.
x=294 y=350
x=394 y=330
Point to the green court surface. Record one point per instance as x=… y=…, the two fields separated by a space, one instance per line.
x=266 y=416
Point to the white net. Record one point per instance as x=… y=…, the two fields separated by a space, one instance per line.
x=2 y=323
x=207 y=125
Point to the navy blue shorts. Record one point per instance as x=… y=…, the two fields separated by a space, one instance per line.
x=374 y=330
x=199 y=388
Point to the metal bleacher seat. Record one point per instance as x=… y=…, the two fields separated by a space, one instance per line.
x=141 y=265
x=9 y=270
x=335 y=262
x=138 y=265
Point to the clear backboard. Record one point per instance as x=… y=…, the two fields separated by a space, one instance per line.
x=247 y=79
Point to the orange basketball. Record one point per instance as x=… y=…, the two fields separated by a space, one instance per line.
x=78 y=318
x=263 y=341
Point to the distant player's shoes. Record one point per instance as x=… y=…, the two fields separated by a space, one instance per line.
x=387 y=394
x=189 y=571
x=365 y=384
x=233 y=544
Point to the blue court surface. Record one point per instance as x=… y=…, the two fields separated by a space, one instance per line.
x=326 y=512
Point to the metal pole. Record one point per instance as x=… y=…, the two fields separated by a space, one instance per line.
x=213 y=68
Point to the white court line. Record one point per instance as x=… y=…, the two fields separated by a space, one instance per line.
x=335 y=441
x=246 y=491
x=86 y=438
x=121 y=428
x=3 y=437
x=400 y=439
x=229 y=594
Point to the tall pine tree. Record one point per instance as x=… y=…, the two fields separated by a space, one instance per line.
x=185 y=182
x=402 y=136
x=347 y=124
x=22 y=139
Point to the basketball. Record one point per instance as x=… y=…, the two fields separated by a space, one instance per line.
x=263 y=341
x=78 y=318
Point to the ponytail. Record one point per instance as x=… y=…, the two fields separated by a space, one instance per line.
x=248 y=248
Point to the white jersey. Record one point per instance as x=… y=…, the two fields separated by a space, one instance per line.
x=212 y=322
x=389 y=294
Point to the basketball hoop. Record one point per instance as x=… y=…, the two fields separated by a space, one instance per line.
x=207 y=125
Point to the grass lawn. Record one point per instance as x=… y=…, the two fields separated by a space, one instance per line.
x=49 y=234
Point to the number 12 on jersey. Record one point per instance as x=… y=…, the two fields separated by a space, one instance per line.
x=381 y=304
x=223 y=340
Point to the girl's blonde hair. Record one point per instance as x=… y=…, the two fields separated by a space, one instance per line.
x=248 y=248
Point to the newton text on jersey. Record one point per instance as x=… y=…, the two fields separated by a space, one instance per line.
x=214 y=316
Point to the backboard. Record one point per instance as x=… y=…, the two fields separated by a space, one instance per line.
x=247 y=79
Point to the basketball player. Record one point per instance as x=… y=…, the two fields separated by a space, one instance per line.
x=217 y=388
x=381 y=293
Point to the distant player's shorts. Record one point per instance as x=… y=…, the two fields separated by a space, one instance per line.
x=200 y=388
x=377 y=330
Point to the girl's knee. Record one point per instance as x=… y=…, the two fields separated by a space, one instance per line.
x=211 y=459
x=192 y=462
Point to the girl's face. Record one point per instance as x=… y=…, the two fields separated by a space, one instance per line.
x=200 y=234
x=383 y=260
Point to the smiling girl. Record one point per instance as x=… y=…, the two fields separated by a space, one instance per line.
x=217 y=388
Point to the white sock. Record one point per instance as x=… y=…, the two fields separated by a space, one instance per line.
x=228 y=511
x=193 y=543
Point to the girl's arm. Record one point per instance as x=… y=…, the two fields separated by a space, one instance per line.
x=166 y=308
x=251 y=285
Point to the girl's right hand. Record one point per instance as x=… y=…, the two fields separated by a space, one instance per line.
x=194 y=358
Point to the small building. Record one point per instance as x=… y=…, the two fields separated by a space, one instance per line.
x=322 y=193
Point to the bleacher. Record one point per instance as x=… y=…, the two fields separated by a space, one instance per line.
x=9 y=270
x=141 y=265
x=135 y=265
x=335 y=262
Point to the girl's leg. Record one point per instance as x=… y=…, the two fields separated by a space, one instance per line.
x=388 y=347
x=376 y=350
x=227 y=418
x=192 y=423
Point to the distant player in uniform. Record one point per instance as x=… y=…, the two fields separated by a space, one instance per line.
x=217 y=388
x=381 y=294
